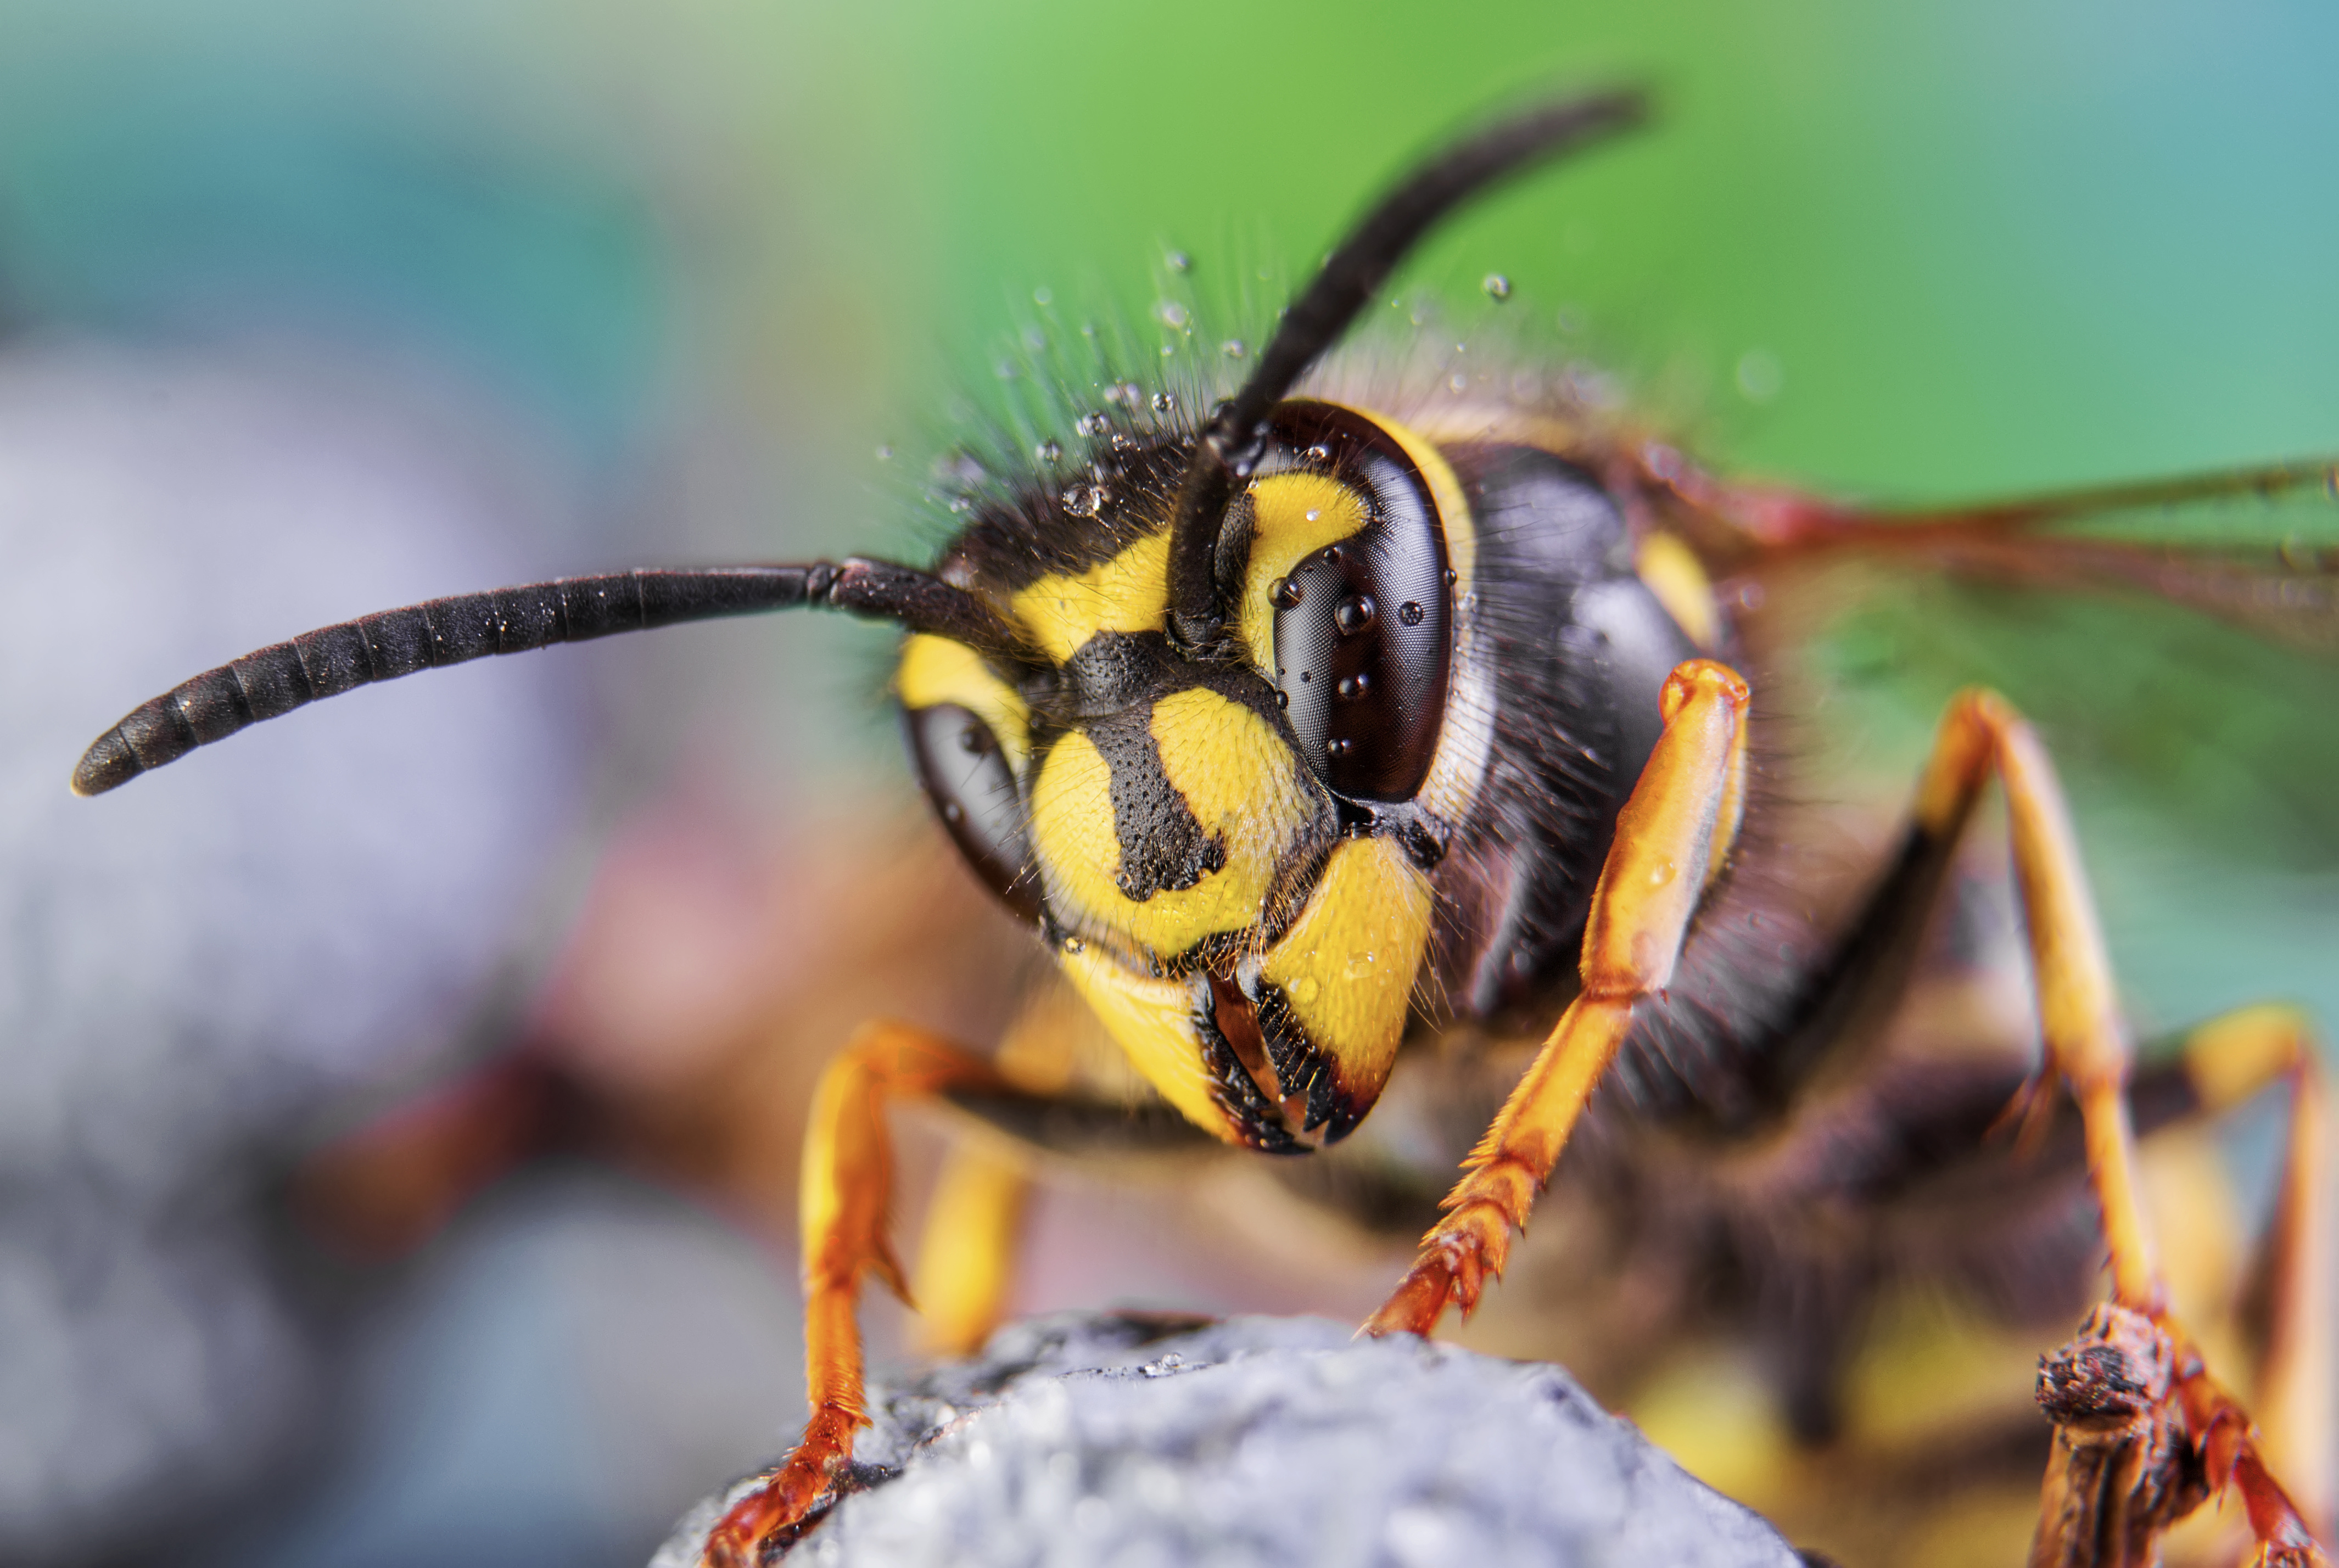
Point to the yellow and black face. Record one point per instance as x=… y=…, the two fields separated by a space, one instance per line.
x=1229 y=853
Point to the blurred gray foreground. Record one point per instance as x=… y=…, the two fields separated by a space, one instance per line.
x=1081 y=1439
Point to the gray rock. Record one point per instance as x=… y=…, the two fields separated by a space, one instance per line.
x=1127 y=1441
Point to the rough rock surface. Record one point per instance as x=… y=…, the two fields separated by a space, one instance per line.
x=1130 y=1441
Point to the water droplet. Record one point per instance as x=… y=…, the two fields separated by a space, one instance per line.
x=1178 y=262
x=1314 y=514
x=1353 y=614
x=1172 y=313
x=1282 y=699
x=1007 y=369
x=1497 y=287
x=1409 y=613
x=1749 y=596
x=1360 y=965
x=1043 y=295
x=1234 y=348
x=1306 y=675
x=1760 y=376
x=1330 y=555
x=1354 y=687
x=1287 y=593
x=1047 y=452
x=1074 y=944
x=1084 y=501
x=1164 y=401
x=1458 y=382
x=884 y=454
x=1338 y=747
x=952 y=812
x=960 y=506
x=1304 y=990
x=1452 y=577
x=1319 y=453
x=974 y=740
x=1093 y=424
x=1034 y=340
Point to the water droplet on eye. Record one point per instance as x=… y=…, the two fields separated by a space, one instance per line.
x=975 y=739
x=1318 y=454
x=1093 y=424
x=1044 y=296
x=1306 y=675
x=1164 y=401
x=1497 y=287
x=1234 y=348
x=952 y=811
x=1409 y=613
x=1282 y=699
x=1355 y=686
x=1287 y=593
x=1171 y=314
x=1331 y=556
x=1452 y=577
x=1046 y=451
x=1178 y=262
x=1338 y=747
x=1353 y=614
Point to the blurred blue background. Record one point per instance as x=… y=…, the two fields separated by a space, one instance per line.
x=313 y=309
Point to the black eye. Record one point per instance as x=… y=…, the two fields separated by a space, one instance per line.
x=965 y=775
x=1363 y=629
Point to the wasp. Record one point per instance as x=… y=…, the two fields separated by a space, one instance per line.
x=1345 y=722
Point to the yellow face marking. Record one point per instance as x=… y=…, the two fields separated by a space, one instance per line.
x=1674 y=574
x=1129 y=593
x=1294 y=515
x=1239 y=779
x=935 y=670
x=1347 y=964
x=1153 y=1021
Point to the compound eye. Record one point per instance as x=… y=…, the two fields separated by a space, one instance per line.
x=966 y=776
x=1363 y=626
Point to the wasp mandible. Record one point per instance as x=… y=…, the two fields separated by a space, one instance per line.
x=1306 y=727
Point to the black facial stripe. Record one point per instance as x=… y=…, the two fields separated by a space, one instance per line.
x=1162 y=847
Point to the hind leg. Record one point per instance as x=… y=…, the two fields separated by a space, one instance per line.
x=2143 y=1431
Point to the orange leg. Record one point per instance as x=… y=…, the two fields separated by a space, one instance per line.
x=847 y=1184
x=2229 y=1060
x=1671 y=837
x=2094 y=1509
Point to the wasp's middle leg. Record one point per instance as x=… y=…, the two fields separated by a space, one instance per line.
x=1671 y=837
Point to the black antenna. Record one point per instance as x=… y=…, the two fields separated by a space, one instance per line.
x=381 y=648
x=1351 y=277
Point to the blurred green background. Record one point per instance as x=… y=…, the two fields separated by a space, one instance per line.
x=718 y=252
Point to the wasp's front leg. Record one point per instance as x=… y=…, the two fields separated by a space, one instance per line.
x=848 y=1163
x=1671 y=838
